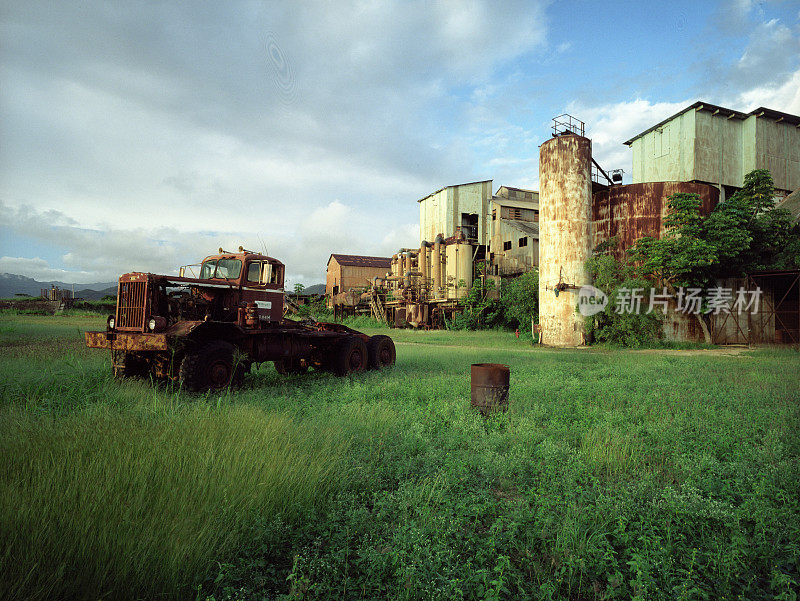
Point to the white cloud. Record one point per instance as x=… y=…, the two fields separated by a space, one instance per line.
x=771 y=52
x=146 y=127
x=402 y=236
x=610 y=125
x=780 y=96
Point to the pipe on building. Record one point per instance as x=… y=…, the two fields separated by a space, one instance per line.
x=436 y=264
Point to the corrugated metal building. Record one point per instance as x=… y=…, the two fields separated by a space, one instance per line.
x=716 y=145
x=514 y=239
x=461 y=207
x=353 y=271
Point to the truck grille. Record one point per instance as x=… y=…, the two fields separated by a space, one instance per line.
x=131 y=304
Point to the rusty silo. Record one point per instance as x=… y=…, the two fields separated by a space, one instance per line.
x=565 y=218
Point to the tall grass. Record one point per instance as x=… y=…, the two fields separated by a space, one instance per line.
x=614 y=475
x=110 y=505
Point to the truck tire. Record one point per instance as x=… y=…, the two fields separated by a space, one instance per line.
x=381 y=352
x=290 y=366
x=128 y=365
x=211 y=367
x=350 y=356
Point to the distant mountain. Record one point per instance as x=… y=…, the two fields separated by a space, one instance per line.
x=314 y=289
x=11 y=284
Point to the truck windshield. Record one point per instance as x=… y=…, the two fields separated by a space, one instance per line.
x=228 y=269
x=207 y=271
x=222 y=269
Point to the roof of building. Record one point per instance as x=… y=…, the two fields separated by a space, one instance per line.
x=728 y=113
x=517 y=189
x=792 y=204
x=361 y=261
x=480 y=181
x=518 y=203
x=531 y=228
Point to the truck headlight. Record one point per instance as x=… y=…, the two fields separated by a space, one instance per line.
x=156 y=324
x=111 y=321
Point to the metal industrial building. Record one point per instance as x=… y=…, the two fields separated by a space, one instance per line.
x=710 y=149
x=463 y=208
x=514 y=241
x=704 y=149
x=716 y=145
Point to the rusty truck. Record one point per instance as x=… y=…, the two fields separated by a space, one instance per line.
x=207 y=330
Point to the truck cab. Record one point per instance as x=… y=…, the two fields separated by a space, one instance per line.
x=258 y=278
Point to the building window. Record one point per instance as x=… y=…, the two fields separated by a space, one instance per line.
x=469 y=225
x=523 y=242
x=507 y=245
x=494 y=214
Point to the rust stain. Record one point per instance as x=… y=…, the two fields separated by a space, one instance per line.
x=637 y=210
x=97 y=340
x=565 y=200
x=127 y=341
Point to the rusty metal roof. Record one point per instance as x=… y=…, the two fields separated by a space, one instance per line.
x=361 y=261
x=530 y=228
x=729 y=113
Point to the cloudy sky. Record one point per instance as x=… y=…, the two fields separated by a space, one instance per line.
x=144 y=135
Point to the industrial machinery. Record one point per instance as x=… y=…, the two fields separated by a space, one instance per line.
x=207 y=331
x=425 y=284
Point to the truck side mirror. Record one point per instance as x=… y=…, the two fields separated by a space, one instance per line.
x=182 y=271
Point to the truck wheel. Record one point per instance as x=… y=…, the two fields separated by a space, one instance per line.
x=350 y=356
x=290 y=366
x=381 y=352
x=128 y=365
x=211 y=367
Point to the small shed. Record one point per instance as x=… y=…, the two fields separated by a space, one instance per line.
x=353 y=271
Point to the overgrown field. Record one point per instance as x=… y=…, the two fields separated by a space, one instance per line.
x=614 y=475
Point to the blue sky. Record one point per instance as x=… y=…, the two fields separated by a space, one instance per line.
x=144 y=136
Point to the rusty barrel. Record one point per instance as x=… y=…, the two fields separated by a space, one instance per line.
x=489 y=387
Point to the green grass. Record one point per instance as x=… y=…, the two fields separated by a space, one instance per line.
x=614 y=475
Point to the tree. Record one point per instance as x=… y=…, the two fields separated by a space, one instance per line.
x=632 y=329
x=298 y=289
x=520 y=298
x=743 y=234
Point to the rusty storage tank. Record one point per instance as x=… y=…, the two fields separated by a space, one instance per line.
x=629 y=212
x=489 y=384
x=565 y=218
x=459 y=269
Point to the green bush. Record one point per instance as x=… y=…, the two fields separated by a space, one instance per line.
x=629 y=329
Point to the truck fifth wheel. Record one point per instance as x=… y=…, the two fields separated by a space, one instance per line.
x=207 y=331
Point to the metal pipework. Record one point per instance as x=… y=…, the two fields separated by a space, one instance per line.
x=409 y=263
x=436 y=263
x=422 y=262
